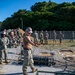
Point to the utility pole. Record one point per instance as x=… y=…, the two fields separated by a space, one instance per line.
x=21 y=22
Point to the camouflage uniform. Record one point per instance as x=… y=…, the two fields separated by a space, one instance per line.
x=46 y=37
x=72 y=36
x=1 y=48
x=61 y=36
x=5 y=42
x=41 y=37
x=28 y=60
x=54 y=36
x=35 y=37
x=13 y=39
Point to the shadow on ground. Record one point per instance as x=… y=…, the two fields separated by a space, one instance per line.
x=14 y=74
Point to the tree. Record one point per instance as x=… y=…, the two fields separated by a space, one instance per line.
x=44 y=15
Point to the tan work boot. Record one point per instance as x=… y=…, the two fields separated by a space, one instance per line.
x=34 y=70
x=0 y=61
x=25 y=74
x=6 y=61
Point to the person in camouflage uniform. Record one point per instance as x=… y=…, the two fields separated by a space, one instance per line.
x=1 y=48
x=41 y=37
x=5 y=41
x=54 y=36
x=35 y=37
x=17 y=36
x=46 y=37
x=61 y=36
x=72 y=36
x=13 y=39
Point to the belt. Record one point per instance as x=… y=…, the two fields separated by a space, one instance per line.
x=27 y=49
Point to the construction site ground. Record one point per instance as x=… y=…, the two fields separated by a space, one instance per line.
x=13 y=68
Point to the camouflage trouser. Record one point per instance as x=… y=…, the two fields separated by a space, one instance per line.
x=41 y=41
x=5 y=54
x=46 y=40
x=60 y=40
x=28 y=60
x=54 y=39
x=71 y=39
x=36 y=40
x=0 y=55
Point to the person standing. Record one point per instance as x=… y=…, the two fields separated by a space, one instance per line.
x=54 y=36
x=61 y=36
x=72 y=36
x=35 y=37
x=13 y=39
x=5 y=41
x=1 y=48
x=41 y=37
x=28 y=58
x=46 y=37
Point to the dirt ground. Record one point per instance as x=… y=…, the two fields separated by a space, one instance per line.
x=56 y=47
x=13 y=68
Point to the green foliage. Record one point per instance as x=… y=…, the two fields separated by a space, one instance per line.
x=73 y=3
x=0 y=23
x=44 y=16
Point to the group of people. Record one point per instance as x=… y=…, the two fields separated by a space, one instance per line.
x=8 y=39
x=12 y=39
x=43 y=37
x=28 y=43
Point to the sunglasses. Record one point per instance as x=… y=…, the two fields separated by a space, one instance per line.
x=29 y=33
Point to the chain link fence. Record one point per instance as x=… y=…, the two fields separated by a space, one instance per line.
x=66 y=34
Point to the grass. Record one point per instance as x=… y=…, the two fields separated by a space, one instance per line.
x=57 y=45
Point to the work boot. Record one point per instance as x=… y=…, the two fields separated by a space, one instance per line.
x=25 y=74
x=6 y=61
x=0 y=61
x=34 y=70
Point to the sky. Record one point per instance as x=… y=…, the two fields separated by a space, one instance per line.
x=8 y=7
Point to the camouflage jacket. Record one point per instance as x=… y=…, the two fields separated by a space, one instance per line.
x=1 y=44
